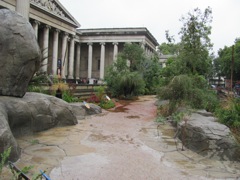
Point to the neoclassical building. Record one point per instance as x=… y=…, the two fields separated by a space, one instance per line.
x=74 y=52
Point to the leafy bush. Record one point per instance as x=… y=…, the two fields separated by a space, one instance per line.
x=34 y=88
x=107 y=104
x=188 y=91
x=4 y=157
x=68 y=97
x=229 y=114
x=125 y=84
x=100 y=91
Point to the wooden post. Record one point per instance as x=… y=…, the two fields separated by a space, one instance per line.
x=232 y=65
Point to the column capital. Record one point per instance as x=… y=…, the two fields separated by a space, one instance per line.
x=72 y=36
x=102 y=43
x=90 y=43
x=47 y=26
x=57 y=30
x=115 y=43
x=36 y=22
x=65 y=33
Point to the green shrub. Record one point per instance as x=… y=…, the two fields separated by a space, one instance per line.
x=107 y=104
x=188 y=91
x=125 y=84
x=100 y=91
x=68 y=97
x=4 y=157
x=230 y=113
x=33 y=88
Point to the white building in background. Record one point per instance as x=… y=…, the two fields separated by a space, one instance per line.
x=78 y=53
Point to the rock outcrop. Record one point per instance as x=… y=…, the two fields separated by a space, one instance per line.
x=19 y=53
x=32 y=113
x=204 y=135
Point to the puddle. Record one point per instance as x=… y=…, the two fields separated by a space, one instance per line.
x=132 y=117
x=118 y=109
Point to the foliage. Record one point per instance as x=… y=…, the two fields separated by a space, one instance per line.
x=60 y=85
x=188 y=91
x=93 y=99
x=34 y=88
x=107 y=104
x=135 y=55
x=133 y=73
x=160 y=119
x=223 y=63
x=68 y=97
x=183 y=80
x=195 y=42
x=229 y=113
x=151 y=75
x=178 y=116
x=4 y=157
x=169 y=48
x=100 y=91
x=122 y=81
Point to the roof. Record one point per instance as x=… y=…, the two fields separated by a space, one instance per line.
x=118 y=31
x=56 y=9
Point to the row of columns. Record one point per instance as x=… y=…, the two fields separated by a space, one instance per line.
x=70 y=57
x=69 y=66
x=102 y=58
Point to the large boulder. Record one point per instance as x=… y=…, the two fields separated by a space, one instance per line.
x=19 y=53
x=32 y=113
x=203 y=134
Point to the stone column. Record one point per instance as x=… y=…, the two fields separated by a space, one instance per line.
x=90 y=51
x=55 y=51
x=115 y=51
x=22 y=7
x=102 y=60
x=143 y=44
x=35 y=27
x=71 y=58
x=45 y=48
x=64 y=53
x=78 y=61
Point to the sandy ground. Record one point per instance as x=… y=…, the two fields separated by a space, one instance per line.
x=123 y=143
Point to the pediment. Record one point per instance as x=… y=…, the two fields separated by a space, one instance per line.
x=55 y=8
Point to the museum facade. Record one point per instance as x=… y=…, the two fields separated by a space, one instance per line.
x=73 y=52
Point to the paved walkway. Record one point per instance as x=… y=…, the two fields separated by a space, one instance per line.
x=122 y=144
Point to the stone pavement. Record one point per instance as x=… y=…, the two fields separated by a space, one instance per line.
x=123 y=143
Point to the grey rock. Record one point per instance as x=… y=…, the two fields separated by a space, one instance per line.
x=204 y=135
x=19 y=53
x=6 y=137
x=80 y=110
x=33 y=113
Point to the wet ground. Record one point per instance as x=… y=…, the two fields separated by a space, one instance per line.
x=123 y=143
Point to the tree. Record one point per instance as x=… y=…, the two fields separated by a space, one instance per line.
x=184 y=81
x=139 y=77
x=169 y=48
x=195 y=42
x=134 y=54
x=223 y=63
x=124 y=80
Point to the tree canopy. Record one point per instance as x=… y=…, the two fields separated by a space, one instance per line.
x=223 y=63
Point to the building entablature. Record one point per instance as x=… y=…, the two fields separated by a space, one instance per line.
x=139 y=35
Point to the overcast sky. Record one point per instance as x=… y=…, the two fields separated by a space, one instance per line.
x=157 y=16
